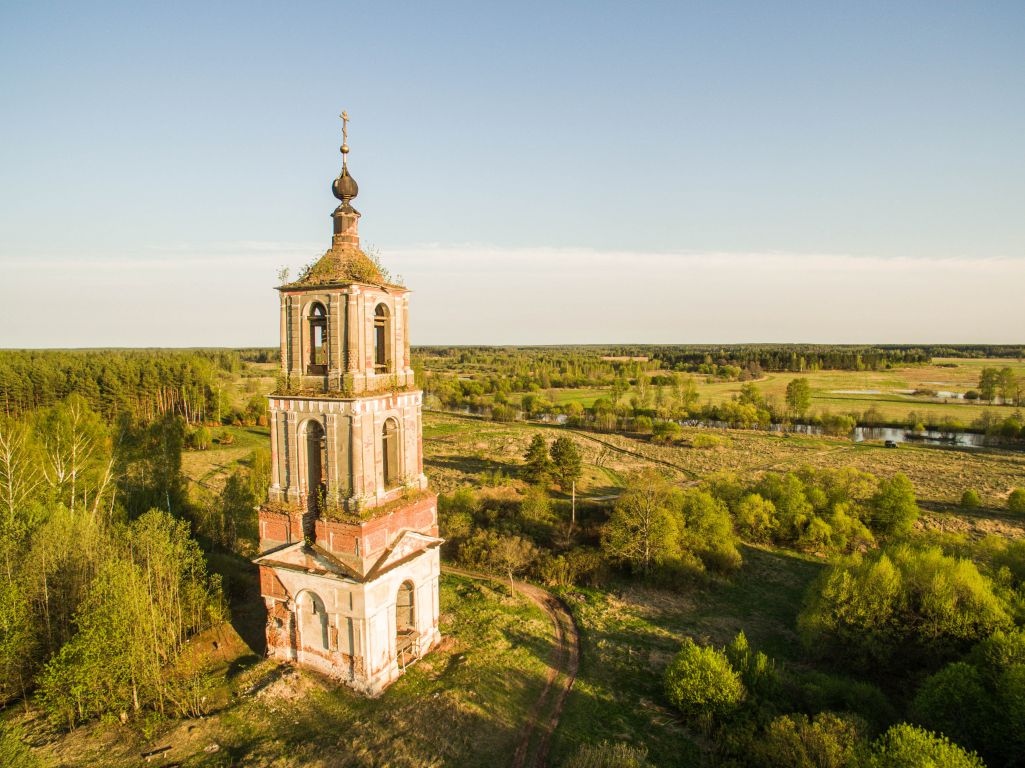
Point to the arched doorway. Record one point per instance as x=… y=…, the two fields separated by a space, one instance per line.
x=312 y=622
x=316 y=461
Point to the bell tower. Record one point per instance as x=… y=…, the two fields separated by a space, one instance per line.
x=349 y=561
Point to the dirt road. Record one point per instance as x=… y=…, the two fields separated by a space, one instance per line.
x=564 y=660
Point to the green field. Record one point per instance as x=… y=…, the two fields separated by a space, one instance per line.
x=843 y=391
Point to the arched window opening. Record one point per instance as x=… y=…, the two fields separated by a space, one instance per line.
x=382 y=338
x=405 y=610
x=407 y=639
x=318 y=340
x=390 y=453
x=312 y=622
x=316 y=461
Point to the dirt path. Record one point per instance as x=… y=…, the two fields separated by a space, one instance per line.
x=564 y=660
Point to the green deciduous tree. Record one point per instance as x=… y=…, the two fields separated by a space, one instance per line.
x=707 y=532
x=894 y=508
x=143 y=605
x=799 y=396
x=701 y=683
x=980 y=702
x=512 y=555
x=756 y=518
x=643 y=531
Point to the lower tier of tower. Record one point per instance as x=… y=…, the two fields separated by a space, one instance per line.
x=362 y=634
x=356 y=599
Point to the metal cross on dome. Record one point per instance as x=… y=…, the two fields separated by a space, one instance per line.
x=345 y=137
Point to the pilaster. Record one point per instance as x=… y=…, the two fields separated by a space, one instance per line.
x=336 y=332
x=275 y=478
x=292 y=441
x=331 y=470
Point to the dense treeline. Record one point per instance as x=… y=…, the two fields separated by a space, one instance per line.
x=596 y=362
x=143 y=383
x=101 y=584
x=788 y=357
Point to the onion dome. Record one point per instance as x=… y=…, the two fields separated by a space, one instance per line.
x=345 y=187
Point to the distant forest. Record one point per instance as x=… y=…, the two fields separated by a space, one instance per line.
x=767 y=357
x=148 y=383
x=144 y=383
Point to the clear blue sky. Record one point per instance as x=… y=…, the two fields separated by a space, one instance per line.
x=686 y=163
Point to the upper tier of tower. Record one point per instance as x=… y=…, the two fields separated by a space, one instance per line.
x=344 y=327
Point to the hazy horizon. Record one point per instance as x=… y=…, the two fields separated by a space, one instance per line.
x=734 y=172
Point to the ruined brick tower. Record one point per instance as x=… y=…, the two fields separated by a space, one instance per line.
x=349 y=560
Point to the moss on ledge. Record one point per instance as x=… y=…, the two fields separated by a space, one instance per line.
x=337 y=513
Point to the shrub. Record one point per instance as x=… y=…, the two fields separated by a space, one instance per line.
x=502 y=412
x=819 y=691
x=901 y=605
x=756 y=518
x=757 y=671
x=905 y=746
x=665 y=431
x=456 y=513
x=970 y=499
x=581 y=565
x=1016 y=501
x=704 y=440
x=794 y=741
x=643 y=425
x=701 y=683
x=536 y=505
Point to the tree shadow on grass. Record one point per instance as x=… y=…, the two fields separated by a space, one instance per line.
x=240 y=580
x=472 y=465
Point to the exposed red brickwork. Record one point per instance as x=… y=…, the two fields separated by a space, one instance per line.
x=376 y=535
x=280 y=527
x=274 y=528
x=270 y=584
